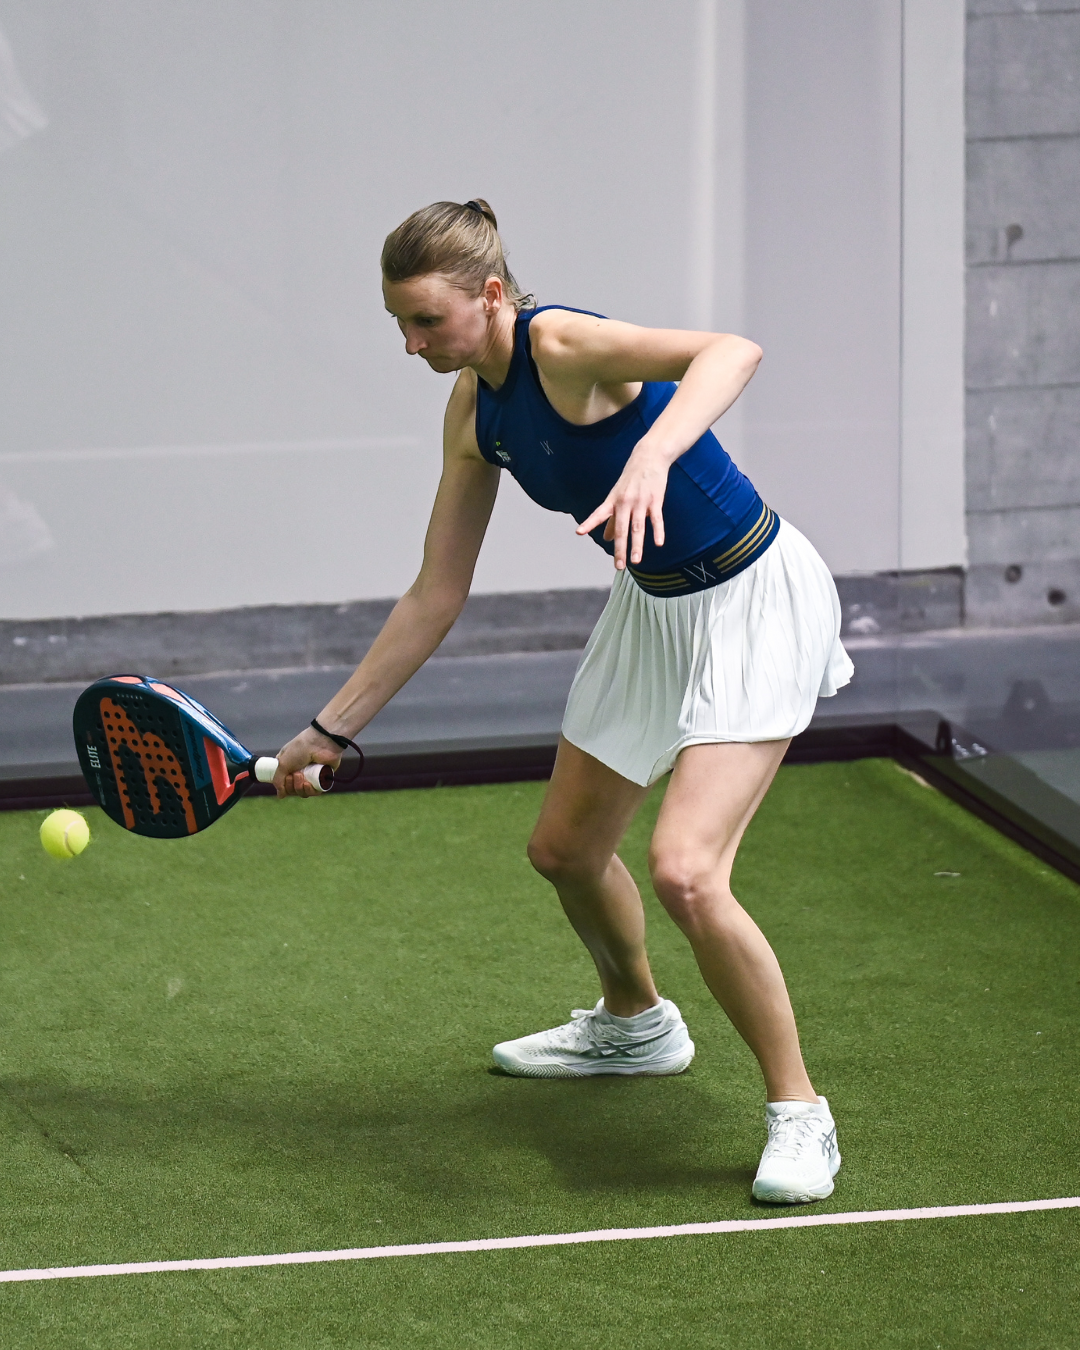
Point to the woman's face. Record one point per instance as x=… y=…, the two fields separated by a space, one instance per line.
x=439 y=321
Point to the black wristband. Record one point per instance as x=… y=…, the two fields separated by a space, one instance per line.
x=343 y=743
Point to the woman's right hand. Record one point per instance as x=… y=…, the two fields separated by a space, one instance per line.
x=307 y=748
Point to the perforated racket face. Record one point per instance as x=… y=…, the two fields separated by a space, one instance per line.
x=156 y=761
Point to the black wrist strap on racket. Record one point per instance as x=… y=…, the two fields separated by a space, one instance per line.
x=343 y=743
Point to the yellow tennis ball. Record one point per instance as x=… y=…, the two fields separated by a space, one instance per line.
x=64 y=834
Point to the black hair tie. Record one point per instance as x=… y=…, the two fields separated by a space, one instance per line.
x=343 y=743
x=473 y=206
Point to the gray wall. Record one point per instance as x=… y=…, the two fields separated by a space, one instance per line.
x=202 y=403
x=1023 y=347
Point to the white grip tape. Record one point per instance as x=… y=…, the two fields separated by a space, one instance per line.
x=315 y=774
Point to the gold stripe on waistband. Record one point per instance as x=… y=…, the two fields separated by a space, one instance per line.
x=655 y=576
x=728 y=559
x=747 y=542
x=750 y=543
x=743 y=552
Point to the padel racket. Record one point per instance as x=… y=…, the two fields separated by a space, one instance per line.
x=162 y=765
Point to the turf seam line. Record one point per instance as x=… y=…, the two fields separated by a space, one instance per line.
x=540 y=1240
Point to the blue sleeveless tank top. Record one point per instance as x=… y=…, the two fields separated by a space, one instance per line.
x=716 y=524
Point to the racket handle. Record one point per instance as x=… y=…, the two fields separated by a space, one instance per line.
x=319 y=776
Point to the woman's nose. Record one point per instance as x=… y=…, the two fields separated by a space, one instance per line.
x=414 y=343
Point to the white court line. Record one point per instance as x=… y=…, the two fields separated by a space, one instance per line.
x=541 y=1240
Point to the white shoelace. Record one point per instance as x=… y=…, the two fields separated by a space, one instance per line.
x=790 y=1134
x=603 y=1037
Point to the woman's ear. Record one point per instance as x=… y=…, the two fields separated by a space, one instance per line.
x=494 y=295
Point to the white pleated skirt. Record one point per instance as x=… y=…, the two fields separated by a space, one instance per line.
x=746 y=660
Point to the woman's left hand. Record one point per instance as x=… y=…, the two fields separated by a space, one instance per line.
x=307 y=748
x=637 y=497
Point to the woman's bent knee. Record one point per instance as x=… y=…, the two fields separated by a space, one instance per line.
x=686 y=886
x=558 y=859
x=543 y=856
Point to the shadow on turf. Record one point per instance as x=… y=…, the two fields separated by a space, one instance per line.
x=619 y=1133
x=598 y=1135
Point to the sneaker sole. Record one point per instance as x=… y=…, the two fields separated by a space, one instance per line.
x=775 y=1195
x=779 y=1197
x=658 y=1069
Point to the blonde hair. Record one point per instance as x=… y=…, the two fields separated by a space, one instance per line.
x=460 y=241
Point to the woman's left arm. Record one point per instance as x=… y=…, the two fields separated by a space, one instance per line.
x=712 y=369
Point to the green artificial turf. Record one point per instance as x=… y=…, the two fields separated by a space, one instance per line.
x=275 y=1037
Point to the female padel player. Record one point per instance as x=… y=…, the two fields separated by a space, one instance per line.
x=721 y=632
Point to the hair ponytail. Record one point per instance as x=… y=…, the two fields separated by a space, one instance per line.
x=461 y=241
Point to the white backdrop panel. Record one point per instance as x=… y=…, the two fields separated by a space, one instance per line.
x=193 y=196
x=189 y=257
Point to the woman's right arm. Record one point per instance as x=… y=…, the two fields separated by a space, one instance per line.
x=426 y=612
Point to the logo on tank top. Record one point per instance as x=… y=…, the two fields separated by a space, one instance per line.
x=502 y=456
x=546 y=448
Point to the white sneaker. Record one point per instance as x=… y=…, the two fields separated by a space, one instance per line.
x=801 y=1157
x=656 y=1041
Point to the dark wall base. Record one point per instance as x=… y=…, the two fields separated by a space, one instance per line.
x=280 y=637
x=901 y=602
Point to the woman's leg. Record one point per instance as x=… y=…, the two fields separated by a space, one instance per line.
x=713 y=793
x=586 y=812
